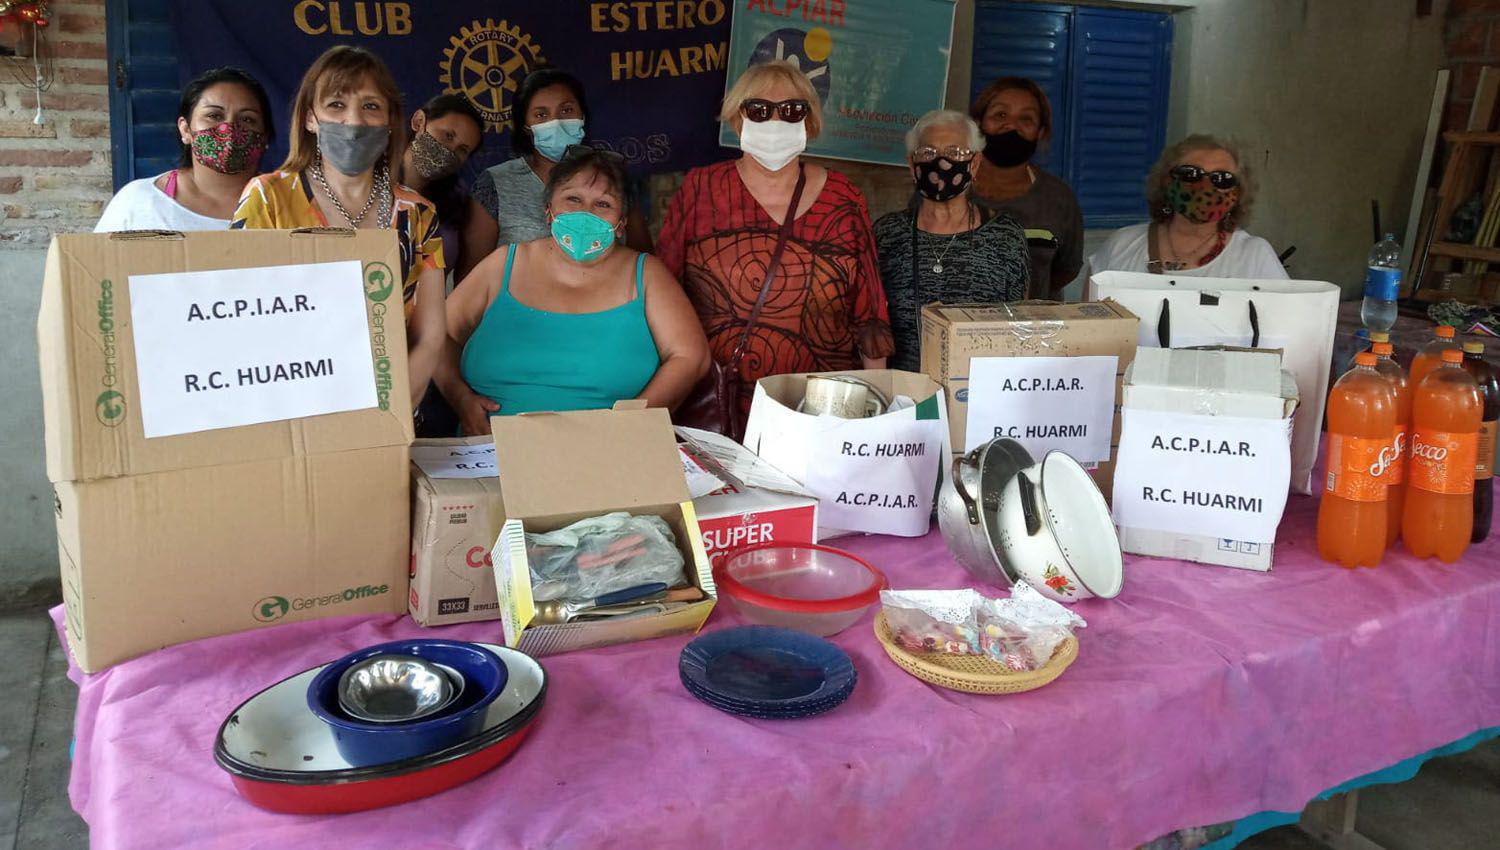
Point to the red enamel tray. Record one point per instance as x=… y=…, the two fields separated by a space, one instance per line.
x=281 y=757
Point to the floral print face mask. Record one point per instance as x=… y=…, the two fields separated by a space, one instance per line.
x=229 y=148
x=1200 y=201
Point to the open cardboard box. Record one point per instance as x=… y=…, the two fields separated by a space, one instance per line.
x=564 y=467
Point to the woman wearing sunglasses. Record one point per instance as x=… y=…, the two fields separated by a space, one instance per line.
x=571 y=321
x=946 y=248
x=818 y=304
x=1199 y=194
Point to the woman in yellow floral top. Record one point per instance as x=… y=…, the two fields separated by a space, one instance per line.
x=347 y=129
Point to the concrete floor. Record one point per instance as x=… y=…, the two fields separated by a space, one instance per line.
x=1453 y=804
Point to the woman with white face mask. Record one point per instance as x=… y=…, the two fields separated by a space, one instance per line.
x=823 y=307
x=548 y=115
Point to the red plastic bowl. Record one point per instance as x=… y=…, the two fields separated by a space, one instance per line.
x=802 y=586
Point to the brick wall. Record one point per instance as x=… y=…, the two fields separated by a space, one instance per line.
x=56 y=177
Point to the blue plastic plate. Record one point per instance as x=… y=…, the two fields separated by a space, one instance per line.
x=766 y=670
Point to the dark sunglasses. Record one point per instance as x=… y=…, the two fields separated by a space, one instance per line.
x=790 y=111
x=579 y=151
x=1219 y=179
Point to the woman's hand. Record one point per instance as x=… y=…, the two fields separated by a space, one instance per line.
x=474 y=412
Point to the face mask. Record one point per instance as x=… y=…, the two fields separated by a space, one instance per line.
x=1201 y=202
x=553 y=137
x=942 y=179
x=431 y=159
x=774 y=144
x=229 y=148
x=352 y=148
x=583 y=236
x=1008 y=149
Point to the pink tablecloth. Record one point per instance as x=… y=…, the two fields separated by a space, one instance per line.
x=1201 y=695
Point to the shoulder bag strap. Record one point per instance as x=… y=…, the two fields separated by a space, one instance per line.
x=771 y=267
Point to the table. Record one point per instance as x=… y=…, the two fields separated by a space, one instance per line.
x=1200 y=695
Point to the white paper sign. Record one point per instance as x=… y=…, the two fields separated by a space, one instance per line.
x=218 y=349
x=1044 y=403
x=1214 y=476
x=456 y=461
x=876 y=475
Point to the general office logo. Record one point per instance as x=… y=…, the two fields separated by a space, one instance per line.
x=109 y=405
x=379 y=281
x=271 y=609
x=486 y=62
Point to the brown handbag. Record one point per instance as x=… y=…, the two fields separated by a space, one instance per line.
x=713 y=404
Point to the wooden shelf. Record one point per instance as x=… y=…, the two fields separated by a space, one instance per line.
x=1460 y=251
x=1472 y=138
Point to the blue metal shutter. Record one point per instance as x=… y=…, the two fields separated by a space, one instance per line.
x=144 y=88
x=1121 y=73
x=1013 y=40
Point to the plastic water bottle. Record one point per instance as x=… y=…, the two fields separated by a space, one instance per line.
x=1382 y=285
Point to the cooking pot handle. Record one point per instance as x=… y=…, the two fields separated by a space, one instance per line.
x=958 y=485
x=1029 y=510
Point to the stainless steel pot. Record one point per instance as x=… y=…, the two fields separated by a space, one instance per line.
x=968 y=504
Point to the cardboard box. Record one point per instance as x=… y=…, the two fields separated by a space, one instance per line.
x=169 y=539
x=803 y=447
x=758 y=504
x=955 y=334
x=563 y=467
x=455 y=522
x=1218 y=381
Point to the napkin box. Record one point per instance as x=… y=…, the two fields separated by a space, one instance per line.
x=560 y=468
x=757 y=504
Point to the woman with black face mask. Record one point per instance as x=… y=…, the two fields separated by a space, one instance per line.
x=945 y=247
x=1015 y=116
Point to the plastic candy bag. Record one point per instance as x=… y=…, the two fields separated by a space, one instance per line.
x=1021 y=632
x=933 y=620
x=603 y=554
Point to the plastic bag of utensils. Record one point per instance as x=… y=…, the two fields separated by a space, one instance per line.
x=601 y=555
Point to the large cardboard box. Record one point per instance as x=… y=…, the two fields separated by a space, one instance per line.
x=1222 y=382
x=172 y=538
x=953 y=335
x=757 y=504
x=559 y=468
x=455 y=522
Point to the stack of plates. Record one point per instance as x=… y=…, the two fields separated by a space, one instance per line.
x=767 y=672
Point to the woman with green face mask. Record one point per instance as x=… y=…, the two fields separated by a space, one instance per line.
x=572 y=320
x=1198 y=195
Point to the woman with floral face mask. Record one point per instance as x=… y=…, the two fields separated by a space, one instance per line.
x=946 y=248
x=445 y=132
x=224 y=124
x=549 y=114
x=573 y=320
x=821 y=307
x=1198 y=194
x=347 y=132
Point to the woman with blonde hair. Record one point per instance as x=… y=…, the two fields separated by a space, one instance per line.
x=1199 y=195
x=348 y=129
x=777 y=254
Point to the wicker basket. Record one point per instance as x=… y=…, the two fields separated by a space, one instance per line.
x=975 y=674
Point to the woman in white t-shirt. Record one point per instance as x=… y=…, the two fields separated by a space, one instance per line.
x=224 y=124
x=1199 y=194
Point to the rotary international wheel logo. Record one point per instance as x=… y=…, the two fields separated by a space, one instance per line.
x=486 y=62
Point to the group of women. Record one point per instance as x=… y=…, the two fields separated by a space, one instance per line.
x=765 y=264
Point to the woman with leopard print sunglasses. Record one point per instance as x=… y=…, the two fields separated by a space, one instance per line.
x=1199 y=194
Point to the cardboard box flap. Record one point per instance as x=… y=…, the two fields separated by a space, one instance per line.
x=87 y=353
x=1027 y=311
x=1245 y=371
x=587 y=460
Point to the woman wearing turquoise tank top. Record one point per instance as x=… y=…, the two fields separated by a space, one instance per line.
x=572 y=321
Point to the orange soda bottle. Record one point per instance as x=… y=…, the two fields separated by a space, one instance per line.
x=1361 y=420
x=1395 y=456
x=1431 y=355
x=1446 y=412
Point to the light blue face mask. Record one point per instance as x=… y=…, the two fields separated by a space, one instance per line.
x=553 y=137
x=583 y=236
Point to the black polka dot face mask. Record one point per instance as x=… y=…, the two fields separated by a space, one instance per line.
x=942 y=179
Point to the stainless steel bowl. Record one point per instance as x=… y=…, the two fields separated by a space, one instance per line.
x=397 y=689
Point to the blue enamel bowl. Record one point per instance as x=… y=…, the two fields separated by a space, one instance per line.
x=363 y=744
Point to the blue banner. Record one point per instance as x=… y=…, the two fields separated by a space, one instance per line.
x=877 y=65
x=653 y=69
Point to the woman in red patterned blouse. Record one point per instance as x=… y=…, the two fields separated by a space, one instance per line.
x=825 y=309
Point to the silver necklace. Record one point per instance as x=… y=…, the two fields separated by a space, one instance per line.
x=379 y=189
x=937 y=267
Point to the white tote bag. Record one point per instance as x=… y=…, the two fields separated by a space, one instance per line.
x=1296 y=316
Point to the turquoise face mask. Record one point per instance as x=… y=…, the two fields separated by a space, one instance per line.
x=583 y=236
x=553 y=137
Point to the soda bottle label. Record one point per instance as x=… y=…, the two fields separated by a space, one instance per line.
x=1381 y=283
x=1395 y=457
x=1357 y=467
x=1484 y=462
x=1442 y=462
